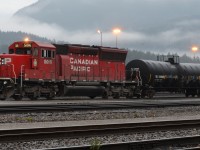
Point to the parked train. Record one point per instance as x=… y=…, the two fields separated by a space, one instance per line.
x=34 y=69
x=167 y=74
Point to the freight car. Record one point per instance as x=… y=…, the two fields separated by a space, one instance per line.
x=34 y=69
x=167 y=74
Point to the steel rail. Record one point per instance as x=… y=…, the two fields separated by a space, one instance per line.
x=93 y=106
x=28 y=134
x=142 y=145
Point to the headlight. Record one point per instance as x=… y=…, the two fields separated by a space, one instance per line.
x=5 y=82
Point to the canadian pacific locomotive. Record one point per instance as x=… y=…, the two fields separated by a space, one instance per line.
x=34 y=69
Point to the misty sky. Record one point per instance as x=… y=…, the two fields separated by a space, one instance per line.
x=9 y=7
x=148 y=25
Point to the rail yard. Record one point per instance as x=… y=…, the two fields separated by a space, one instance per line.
x=99 y=75
x=44 y=91
x=162 y=122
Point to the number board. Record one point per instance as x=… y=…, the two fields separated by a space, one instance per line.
x=27 y=45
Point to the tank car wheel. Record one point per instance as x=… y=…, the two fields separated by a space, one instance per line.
x=48 y=98
x=92 y=97
x=17 y=97
x=138 y=96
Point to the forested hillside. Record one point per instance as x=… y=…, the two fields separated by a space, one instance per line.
x=135 y=54
x=6 y=38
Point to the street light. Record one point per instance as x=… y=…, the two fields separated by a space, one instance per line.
x=116 y=31
x=100 y=32
x=194 y=49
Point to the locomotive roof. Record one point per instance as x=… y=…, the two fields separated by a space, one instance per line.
x=43 y=44
x=40 y=44
x=114 y=50
x=86 y=49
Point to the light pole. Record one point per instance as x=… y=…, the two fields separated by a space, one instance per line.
x=100 y=32
x=116 y=31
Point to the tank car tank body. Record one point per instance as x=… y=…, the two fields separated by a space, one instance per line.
x=167 y=75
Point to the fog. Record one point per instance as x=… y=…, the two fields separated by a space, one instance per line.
x=147 y=25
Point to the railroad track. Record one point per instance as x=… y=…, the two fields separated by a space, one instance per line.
x=13 y=108
x=91 y=129
x=144 y=145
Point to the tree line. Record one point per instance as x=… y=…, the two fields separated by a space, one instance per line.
x=6 y=38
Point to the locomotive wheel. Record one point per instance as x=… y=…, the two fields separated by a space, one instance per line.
x=186 y=95
x=150 y=95
x=129 y=96
x=49 y=97
x=105 y=94
x=33 y=98
x=116 y=96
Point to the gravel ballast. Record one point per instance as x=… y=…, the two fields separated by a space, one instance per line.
x=68 y=142
x=99 y=114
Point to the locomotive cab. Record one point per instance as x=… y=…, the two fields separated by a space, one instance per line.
x=26 y=61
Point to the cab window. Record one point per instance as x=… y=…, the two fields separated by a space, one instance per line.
x=23 y=51
x=44 y=53
x=48 y=53
x=11 y=51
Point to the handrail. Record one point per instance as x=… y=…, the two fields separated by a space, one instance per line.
x=14 y=72
x=21 y=75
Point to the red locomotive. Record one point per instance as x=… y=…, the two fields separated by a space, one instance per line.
x=34 y=69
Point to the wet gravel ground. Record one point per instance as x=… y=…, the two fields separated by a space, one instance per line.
x=99 y=114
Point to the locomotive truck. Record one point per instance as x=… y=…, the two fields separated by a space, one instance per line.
x=34 y=69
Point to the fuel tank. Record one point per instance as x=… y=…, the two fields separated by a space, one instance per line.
x=90 y=91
